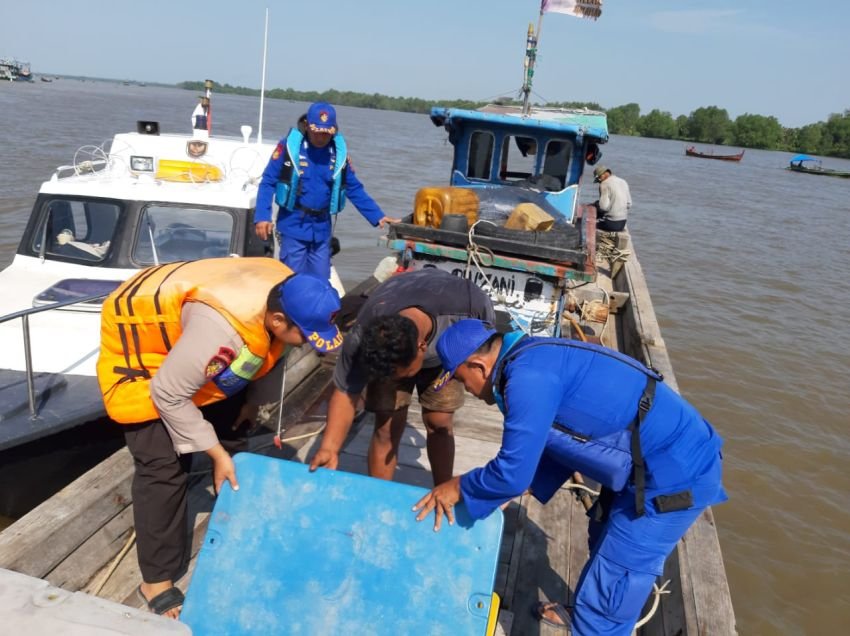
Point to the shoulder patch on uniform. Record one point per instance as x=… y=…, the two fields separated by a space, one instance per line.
x=277 y=152
x=215 y=366
x=227 y=353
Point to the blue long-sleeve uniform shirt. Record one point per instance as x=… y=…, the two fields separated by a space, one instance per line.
x=315 y=185
x=594 y=395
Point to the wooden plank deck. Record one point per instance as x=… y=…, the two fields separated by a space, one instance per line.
x=81 y=529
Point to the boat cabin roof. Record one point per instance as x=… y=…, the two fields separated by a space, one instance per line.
x=552 y=121
x=153 y=167
x=802 y=158
x=149 y=198
x=498 y=146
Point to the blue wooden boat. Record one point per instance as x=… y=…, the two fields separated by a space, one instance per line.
x=812 y=165
x=508 y=158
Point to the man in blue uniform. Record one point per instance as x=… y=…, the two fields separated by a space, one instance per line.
x=310 y=177
x=572 y=406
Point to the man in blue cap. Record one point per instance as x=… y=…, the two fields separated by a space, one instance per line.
x=182 y=337
x=310 y=176
x=572 y=406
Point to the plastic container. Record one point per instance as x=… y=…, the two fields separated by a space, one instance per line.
x=433 y=202
x=530 y=216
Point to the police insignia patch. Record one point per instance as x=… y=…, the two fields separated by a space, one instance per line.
x=215 y=366
x=277 y=152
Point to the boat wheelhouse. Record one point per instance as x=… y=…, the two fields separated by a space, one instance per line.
x=506 y=160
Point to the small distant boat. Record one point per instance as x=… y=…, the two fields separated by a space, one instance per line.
x=691 y=151
x=45 y=79
x=811 y=165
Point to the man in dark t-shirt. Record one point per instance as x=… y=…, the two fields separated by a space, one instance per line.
x=391 y=350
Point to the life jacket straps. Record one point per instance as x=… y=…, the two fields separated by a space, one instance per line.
x=644 y=403
x=128 y=296
x=639 y=474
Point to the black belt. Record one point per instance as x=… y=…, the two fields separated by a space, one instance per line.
x=311 y=211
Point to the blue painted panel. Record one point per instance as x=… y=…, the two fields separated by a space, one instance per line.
x=294 y=552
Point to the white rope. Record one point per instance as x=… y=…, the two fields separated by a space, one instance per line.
x=574 y=486
x=474 y=258
x=656 y=600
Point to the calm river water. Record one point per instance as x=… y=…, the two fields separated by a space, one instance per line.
x=748 y=269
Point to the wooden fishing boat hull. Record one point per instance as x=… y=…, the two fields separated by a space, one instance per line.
x=826 y=172
x=704 y=155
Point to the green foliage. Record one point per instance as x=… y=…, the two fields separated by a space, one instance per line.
x=836 y=137
x=341 y=98
x=709 y=124
x=623 y=120
x=757 y=131
x=681 y=127
x=658 y=124
x=809 y=139
x=575 y=105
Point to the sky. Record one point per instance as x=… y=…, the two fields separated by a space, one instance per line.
x=783 y=58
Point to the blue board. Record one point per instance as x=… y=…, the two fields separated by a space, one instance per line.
x=330 y=552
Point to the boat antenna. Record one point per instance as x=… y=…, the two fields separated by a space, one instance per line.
x=528 y=63
x=263 y=79
x=591 y=9
x=208 y=84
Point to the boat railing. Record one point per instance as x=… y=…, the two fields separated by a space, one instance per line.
x=24 y=315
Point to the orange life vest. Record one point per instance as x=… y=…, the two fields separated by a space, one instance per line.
x=141 y=322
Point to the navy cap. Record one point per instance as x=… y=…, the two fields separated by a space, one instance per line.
x=312 y=304
x=322 y=118
x=457 y=343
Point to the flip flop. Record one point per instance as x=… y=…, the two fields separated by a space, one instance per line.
x=164 y=601
x=561 y=610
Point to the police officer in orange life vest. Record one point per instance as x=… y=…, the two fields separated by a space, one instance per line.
x=181 y=336
x=310 y=176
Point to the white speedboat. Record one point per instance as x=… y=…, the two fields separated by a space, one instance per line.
x=147 y=198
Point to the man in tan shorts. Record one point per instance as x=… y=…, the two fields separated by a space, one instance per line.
x=392 y=350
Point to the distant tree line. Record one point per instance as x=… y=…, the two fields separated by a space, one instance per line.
x=709 y=124
x=712 y=125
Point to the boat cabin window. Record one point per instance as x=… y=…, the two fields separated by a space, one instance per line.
x=182 y=234
x=79 y=230
x=556 y=163
x=480 y=155
x=519 y=155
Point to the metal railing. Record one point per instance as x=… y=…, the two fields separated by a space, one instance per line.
x=24 y=315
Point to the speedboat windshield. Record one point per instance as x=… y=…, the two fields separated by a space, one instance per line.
x=180 y=233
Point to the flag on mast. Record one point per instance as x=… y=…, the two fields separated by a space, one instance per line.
x=591 y=9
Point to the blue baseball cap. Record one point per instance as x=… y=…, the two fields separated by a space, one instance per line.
x=457 y=343
x=312 y=304
x=321 y=117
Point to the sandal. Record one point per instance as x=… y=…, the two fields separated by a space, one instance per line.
x=561 y=611
x=164 y=601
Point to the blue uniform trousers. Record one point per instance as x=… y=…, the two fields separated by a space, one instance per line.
x=627 y=554
x=306 y=257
